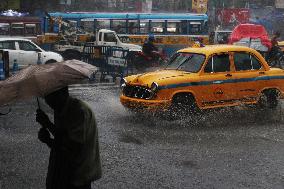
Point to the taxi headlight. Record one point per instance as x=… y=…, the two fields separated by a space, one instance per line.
x=154 y=87
x=123 y=83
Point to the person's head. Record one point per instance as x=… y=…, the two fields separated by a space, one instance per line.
x=200 y=39
x=151 y=37
x=57 y=99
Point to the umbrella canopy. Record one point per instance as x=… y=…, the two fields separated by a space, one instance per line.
x=40 y=80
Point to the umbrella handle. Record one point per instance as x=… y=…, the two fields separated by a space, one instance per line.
x=38 y=103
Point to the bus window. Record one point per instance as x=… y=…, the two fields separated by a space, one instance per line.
x=119 y=26
x=157 y=26
x=17 y=29
x=133 y=26
x=103 y=24
x=144 y=26
x=30 y=29
x=174 y=27
x=195 y=27
x=4 y=29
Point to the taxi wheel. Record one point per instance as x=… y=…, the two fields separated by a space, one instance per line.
x=269 y=99
x=183 y=105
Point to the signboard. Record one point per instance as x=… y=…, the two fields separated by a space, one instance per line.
x=199 y=6
x=117 y=61
x=165 y=40
x=234 y=16
x=10 y=4
x=279 y=4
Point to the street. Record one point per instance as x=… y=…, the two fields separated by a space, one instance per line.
x=229 y=148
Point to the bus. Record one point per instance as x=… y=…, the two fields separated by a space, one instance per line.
x=28 y=27
x=172 y=31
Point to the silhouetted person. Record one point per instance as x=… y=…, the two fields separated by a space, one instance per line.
x=74 y=157
x=275 y=39
x=149 y=48
x=275 y=48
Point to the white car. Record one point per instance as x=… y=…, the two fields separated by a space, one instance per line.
x=24 y=52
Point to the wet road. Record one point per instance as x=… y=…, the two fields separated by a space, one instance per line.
x=230 y=148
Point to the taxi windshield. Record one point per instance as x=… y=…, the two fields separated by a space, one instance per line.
x=189 y=62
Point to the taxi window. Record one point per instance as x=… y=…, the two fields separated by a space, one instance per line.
x=242 y=61
x=256 y=65
x=189 y=62
x=218 y=63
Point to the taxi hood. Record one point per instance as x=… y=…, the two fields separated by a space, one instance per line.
x=146 y=79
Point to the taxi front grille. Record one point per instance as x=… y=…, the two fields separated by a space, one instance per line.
x=137 y=92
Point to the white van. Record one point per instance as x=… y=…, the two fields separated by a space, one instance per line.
x=25 y=52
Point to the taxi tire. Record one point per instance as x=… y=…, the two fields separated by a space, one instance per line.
x=269 y=99
x=183 y=105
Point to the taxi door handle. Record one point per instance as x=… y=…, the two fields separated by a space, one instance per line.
x=261 y=72
x=229 y=75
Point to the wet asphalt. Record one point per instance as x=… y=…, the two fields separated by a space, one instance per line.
x=229 y=148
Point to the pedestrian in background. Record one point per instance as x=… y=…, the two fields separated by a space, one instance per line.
x=74 y=157
x=275 y=48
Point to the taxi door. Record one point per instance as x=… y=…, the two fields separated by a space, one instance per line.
x=248 y=73
x=216 y=81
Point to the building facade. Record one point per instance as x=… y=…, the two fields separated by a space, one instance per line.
x=106 y=5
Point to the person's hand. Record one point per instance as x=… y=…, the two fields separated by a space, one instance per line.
x=44 y=135
x=42 y=118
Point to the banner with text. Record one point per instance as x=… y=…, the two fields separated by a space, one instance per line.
x=232 y=16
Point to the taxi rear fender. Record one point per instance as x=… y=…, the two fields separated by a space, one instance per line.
x=276 y=89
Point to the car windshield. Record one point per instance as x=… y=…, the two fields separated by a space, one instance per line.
x=189 y=62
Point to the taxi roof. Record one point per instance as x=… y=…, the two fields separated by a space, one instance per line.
x=213 y=49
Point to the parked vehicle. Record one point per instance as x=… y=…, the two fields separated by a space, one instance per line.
x=172 y=31
x=24 y=27
x=203 y=78
x=251 y=35
x=24 y=52
x=103 y=37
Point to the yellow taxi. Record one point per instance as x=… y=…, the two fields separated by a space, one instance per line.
x=206 y=77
